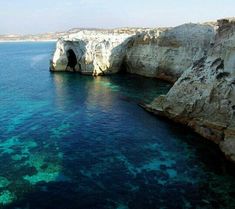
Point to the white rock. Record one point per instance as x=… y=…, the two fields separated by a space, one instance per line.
x=97 y=52
x=166 y=55
x=161 y=53
x=204 y=96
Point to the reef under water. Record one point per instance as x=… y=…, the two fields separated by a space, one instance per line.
x=69 y=141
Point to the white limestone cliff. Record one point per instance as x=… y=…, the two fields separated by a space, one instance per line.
x=97 y=52
x=204 y=96
x=168 y=54
x=162 y=53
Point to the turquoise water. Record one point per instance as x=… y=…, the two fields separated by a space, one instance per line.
x=76 y=142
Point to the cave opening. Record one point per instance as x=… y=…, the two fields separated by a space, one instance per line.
x=123 y=67
x=72 y=59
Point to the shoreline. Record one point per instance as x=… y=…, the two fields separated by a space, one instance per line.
x=27 y=40
x=158 y=112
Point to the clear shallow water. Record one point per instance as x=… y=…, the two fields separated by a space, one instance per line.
x=69 y=142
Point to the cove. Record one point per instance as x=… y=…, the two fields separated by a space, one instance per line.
x=72 y=141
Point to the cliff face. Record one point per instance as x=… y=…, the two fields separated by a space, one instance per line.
x=161 y=53
x=204 y=96
x=96 y=52
x=168 y=54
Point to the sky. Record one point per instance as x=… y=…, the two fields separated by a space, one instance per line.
x=39 y=16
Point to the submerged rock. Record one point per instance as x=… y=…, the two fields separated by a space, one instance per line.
x=6 y=197
x=4 y=182
x=204 y=96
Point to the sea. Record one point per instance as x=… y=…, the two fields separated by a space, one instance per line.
x=69 y=141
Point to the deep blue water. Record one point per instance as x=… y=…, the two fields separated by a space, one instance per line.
x=76 y=142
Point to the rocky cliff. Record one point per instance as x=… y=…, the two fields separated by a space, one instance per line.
x=204 y=96
x=166 y=55
x=162 y=53
x=92 y=52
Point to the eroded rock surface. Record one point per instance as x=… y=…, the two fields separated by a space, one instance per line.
x=204 y=96
x=166 y=55
x=97 y=52
x=162 y=53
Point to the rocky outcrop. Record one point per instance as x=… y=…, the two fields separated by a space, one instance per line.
x=162 y=53
x=168 y=54
x=204 y=96
x=96 y=52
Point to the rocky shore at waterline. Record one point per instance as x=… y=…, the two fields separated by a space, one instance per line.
x=203 y=98
x=198 y=58
x=164 y=53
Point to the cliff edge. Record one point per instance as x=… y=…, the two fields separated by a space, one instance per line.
x=204 y=96
x=162 y=53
